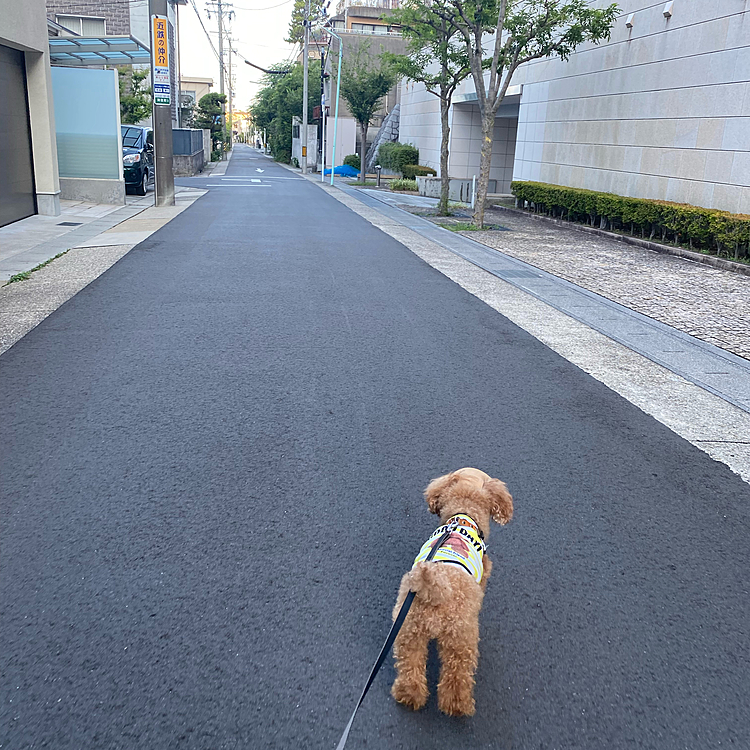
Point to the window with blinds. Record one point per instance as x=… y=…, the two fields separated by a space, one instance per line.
x=83 y=25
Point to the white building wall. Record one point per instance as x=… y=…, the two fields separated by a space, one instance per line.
x=419 y=123
x=661 y=111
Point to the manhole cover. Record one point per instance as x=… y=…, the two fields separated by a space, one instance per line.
x=510 y=273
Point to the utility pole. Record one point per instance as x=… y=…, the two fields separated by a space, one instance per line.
x=221 y=8
x=231 y=91
x=162 y=107
x=304 y=86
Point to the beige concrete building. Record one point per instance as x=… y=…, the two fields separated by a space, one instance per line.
x=660 y=111
x=29 y=180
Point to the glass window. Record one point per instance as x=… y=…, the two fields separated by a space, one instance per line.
x=83 y=25
x=131 y=137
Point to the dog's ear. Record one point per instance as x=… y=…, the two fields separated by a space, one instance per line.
x=501 y=508
x=435 y=488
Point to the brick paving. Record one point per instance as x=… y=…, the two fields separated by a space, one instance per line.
x=711 y=304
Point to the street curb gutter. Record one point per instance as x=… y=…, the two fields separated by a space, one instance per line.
x=657 y=247
x=707 y=421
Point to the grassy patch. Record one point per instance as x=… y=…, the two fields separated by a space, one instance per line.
x=26 y=275
x=462 y=226
x=404 y=185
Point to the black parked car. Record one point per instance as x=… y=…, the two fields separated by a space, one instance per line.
x=138 y=157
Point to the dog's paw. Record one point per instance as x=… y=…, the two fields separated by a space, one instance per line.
x=409 y=694
x=455 y=702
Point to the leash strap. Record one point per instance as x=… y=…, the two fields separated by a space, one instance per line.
x=389 y=641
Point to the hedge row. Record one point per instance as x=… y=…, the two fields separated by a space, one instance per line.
x=412 y=171
x=352 y=161
x=708 y=229
x=395 y=156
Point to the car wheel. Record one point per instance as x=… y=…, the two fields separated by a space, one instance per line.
x=141 y=189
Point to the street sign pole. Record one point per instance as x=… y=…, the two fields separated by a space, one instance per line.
x=162 y=109
x=304 y=86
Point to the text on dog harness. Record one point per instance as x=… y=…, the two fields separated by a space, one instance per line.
x=463 y=547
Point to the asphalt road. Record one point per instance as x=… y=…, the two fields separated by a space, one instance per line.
x=212 y=464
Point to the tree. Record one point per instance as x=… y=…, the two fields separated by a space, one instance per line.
x=208 y=115
x=135 y=98
x=435 y=59
x=363 y=85
x=278 y=101
x=523 y=30
x=297 y=21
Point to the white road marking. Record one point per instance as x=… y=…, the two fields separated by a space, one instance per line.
x=258 y=169
x=254 y=180
x=234 y=184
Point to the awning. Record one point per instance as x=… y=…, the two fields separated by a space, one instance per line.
x=105 y=50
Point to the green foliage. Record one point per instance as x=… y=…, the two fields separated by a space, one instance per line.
x=403 y=185
x=26 y=275
x=296 y=22
x=412 y=171
x=135 y=98
x=395 y=156
x=702 y=228
x=462 y=226
x=207 y=115
x=432 y=36
x=364 y=83
x=278 y=101
x=353 y=160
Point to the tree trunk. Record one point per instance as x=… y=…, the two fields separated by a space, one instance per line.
x=445 y=180
x=363 y=158
x=485 y=161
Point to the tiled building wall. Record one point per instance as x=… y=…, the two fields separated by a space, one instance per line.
x=115 y=12
x=660 y=111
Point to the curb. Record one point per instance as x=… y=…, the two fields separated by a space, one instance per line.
x=709 y=260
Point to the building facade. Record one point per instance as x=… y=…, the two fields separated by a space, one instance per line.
x=29 y=181
x=661 y=110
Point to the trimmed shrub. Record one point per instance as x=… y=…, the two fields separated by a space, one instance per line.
x=396 y=156
x=412 y=171
x=352 y=161
x=706 y=229
x=403 y=184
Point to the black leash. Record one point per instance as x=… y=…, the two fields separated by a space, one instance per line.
x=390 y=639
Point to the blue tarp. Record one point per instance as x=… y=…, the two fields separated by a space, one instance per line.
x=344 y=171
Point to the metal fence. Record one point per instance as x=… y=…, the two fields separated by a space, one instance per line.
x=186 y=142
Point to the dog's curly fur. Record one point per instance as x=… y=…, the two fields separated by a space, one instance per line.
x=447 y=602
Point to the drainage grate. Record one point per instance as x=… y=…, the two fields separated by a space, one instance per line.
x=70 y=224
x=510 y=273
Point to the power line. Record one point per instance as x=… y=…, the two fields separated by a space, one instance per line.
x=270 y=7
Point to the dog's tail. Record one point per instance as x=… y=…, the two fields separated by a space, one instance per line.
x=430 y=585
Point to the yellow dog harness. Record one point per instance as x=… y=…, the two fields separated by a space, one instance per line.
x=464 y=546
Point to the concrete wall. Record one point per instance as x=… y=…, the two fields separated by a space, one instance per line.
x=420 y=125
x=23 y=26
x=660 y=111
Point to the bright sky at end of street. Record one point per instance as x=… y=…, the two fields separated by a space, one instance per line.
x=258 y=28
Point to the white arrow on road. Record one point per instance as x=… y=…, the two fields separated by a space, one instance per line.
x=257 y=169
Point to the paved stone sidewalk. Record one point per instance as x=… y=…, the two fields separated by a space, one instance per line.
x=710 y=304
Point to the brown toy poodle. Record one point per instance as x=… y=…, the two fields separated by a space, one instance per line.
x=449 y=591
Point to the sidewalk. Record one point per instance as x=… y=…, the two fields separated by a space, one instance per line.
x=93 y=238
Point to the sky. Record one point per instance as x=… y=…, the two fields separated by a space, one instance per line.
x=258 y=28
